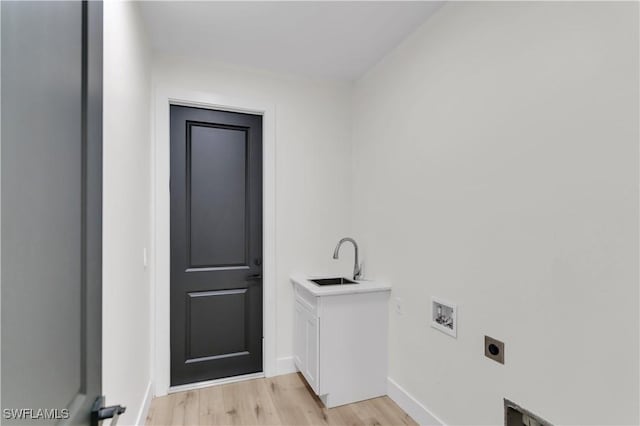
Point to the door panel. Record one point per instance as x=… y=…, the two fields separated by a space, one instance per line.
x=216 y=244
x=311 y=349
x=51 y=206
x=208 y=336
x=218 y=231
x=299 y=343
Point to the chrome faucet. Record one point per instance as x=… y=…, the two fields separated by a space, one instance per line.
x=357 y=271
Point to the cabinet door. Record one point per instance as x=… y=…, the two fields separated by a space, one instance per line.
x=312 y=334
x=299 y=337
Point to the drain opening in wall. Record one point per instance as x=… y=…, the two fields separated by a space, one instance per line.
x=514 y=415
x=444 y=316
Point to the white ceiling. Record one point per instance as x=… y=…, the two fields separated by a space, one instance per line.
x=323 y=39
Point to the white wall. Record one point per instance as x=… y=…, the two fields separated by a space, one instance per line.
x=126 y=209
x=496 y=165
x=312 y=129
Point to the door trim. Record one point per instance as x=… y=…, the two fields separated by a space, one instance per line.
x=164 y=96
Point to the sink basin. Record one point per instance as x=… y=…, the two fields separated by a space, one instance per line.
x=332 y=281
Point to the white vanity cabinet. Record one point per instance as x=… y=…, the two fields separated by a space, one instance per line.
x=340 y=339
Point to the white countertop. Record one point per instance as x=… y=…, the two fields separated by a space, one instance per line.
x=363 y=286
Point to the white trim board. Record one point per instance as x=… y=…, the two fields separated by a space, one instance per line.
x=164 y=96
x=418 y=412
x=141 y=419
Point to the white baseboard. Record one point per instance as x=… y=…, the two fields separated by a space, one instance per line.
x=411 y=406
x=141 y=419
x=285 y=365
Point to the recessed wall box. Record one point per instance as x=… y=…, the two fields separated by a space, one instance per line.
x=444 y=316
x=514 y=415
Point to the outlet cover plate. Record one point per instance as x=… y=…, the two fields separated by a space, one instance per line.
x=494 y=349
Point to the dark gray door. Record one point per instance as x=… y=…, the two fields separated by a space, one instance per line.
x=216 y=244
x=51 y=210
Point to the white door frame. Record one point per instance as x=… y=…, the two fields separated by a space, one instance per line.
x=160 y=259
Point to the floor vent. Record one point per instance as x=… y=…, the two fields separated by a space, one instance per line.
x=514 y=415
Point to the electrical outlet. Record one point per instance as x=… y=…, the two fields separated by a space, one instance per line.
x=398 y=305
x=494 y=349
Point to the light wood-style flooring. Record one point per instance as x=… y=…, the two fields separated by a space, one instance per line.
x=281 y=400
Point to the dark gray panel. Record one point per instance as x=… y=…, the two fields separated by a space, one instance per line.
x=92 y=223
x=217 y=196
x=42 y=210
x=51 y=206
x=216 y=324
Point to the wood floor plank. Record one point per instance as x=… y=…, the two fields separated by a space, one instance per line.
x=178 y=408
x=192 y=408
x=212 y=411
x=282 y=390
x=159 y=412
x=266 y=411
x=314 y=408
x=373 y=413
x=344 y=415
x=282 y=400
x=237 y=404
x=395 y=412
